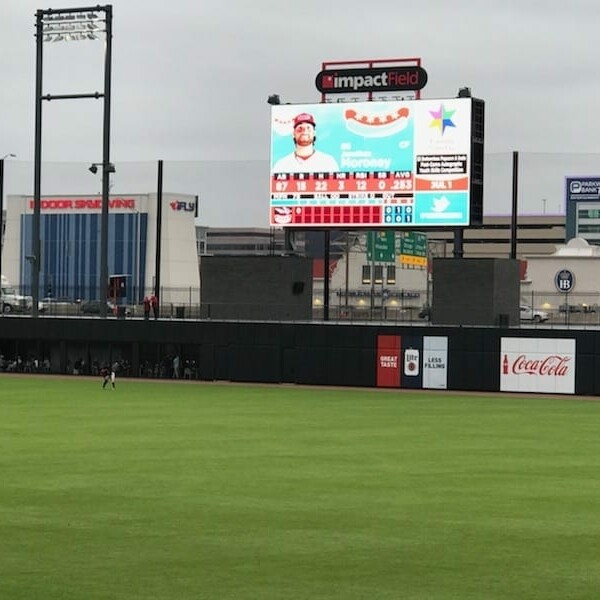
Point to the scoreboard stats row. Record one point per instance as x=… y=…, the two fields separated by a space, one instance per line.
x=343 y=215
x=374 y=182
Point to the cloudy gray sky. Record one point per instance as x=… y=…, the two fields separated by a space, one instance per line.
x=191 y=78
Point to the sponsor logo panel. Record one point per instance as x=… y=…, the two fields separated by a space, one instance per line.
x=412 y=355
x=388 y=361
x=411 y=362
x=371 y=79
x=537 y=365
x=583 y=189
x=435 y=362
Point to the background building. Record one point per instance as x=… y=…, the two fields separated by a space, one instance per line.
x=536 y=234
x=254 y=241
x=70 y=245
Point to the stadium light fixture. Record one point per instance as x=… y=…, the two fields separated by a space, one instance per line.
x=110 y=168
x=61 y=26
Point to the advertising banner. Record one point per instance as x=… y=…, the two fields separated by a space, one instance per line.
x=582 y=195
x=396 y=164
x=412 y=354
x=412 y=361
x=435 y=362
x=371 y=79
x=388 y=360
x=537 y=365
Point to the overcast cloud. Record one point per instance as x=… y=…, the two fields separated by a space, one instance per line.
x=191 y=79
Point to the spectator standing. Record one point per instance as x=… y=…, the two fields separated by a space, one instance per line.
x=154 y=304
x=146 y=308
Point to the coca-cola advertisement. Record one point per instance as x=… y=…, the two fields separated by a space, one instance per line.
x=537 y=365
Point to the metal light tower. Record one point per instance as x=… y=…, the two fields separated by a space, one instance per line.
x=9 y=155
x=58 y=25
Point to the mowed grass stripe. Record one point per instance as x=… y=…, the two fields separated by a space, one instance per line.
x=161 y=490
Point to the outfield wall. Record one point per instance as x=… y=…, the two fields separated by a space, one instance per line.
x=454 y=358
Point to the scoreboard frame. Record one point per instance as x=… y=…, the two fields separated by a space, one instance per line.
x=402 y=164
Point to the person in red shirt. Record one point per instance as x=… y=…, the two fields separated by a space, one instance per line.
x=146 y=308
x=154 y=304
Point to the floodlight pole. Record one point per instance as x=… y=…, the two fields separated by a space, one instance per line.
x=515 y=205
x=56 y=20
x=326 y=275
x=106 y=166
x=1 y=213
x=37 y=169
x=159 y=195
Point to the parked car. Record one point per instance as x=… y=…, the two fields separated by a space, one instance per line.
x=11 y=301
x=92 y=307
x=528 y=313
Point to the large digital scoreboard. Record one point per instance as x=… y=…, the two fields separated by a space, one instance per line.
x=416 y=163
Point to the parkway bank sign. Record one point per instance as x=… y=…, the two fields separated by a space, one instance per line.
x=581 y=193
x=584 y=188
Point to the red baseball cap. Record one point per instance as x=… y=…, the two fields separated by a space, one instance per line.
x=304 y=118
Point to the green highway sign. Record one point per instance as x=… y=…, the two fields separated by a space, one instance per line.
x=381 y=246
x=413 y=248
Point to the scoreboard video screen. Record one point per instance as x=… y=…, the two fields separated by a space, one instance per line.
x=372 y=164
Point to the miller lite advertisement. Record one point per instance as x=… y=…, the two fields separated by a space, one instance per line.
x=537 y=365
x=411 y=361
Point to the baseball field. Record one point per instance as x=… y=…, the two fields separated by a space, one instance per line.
x=171 y=491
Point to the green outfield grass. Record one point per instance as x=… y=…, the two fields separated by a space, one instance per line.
x=201 y=491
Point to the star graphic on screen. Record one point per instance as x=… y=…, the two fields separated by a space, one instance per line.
x=442 y=118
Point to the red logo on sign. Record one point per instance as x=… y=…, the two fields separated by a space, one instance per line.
x=328 y=81
x=552 y=365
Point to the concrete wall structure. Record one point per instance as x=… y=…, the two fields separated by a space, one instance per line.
x=474 y=291
x=256 y=287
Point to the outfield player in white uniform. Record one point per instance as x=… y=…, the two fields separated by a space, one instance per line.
x=305 y=158
x=113 y=373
